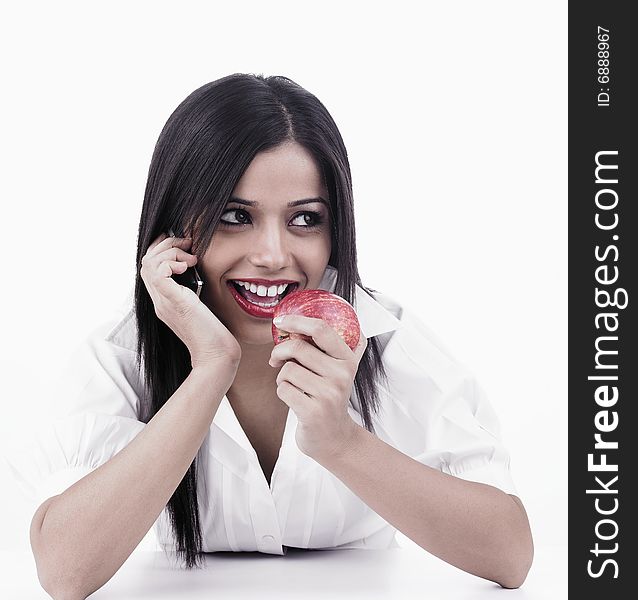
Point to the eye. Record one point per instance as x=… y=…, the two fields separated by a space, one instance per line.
x=244 y=218
x=308 y=219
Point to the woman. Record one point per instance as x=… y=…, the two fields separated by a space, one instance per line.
x=188 y=405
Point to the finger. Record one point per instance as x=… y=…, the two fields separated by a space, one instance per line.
x=151 y=264
x=166 y=285
x=324 y=336
x=295 y=399
x=150 y=259
x=174 y=266
x=175 y=254
x=301 y=378
x=168 y=242
x=304 y=353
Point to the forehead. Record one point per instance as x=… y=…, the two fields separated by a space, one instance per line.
x=285 y=173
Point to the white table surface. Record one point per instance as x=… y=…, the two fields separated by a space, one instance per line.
x=405 y=573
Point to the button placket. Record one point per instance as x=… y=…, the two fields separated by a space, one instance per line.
x=265 y=499
x=285 y=473
x=265 y=524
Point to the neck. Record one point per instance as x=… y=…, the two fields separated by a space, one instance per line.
x=254 y=373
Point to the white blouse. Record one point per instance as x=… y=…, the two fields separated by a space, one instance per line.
x=432 y=410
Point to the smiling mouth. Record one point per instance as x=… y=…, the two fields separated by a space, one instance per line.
x=262 y=301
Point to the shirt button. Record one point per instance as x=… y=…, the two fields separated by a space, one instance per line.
x=267 y=539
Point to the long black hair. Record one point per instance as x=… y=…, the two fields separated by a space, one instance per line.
x=201 y=154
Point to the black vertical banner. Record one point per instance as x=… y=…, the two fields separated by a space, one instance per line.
x=603 y=265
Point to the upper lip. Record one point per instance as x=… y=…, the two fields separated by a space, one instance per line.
x=264 y=282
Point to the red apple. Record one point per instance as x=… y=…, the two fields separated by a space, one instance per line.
x=319 y=304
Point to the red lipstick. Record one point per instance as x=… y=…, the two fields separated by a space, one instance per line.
x=254 y=310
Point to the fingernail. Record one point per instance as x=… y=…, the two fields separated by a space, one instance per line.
x=278 y=320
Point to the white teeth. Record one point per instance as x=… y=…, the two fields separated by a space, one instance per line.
x=266 y=305
x=262 y=290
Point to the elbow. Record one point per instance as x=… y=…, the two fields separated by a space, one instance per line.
x=56 y=582
x=519 y=551
x=62 y=592
x=518 y=563
x=38 y=547
x=515 y=576
x=52 y=577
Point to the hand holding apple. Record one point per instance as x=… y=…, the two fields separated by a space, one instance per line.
x=318 y=304
x=319 y=357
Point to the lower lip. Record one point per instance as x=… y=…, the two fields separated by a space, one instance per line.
x=252 y=309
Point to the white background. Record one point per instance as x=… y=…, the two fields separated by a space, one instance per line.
x=455 y=120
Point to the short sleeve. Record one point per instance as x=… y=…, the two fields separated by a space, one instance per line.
x=94 y=414
x=437 y=412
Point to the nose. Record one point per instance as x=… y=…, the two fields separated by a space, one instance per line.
x=270 y=249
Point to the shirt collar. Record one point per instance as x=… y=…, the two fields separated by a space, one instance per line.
x=374 y=318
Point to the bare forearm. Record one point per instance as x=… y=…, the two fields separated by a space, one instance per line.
x=472 y=526
x=85 y=534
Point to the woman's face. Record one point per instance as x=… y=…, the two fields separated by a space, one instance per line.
x=275 y=229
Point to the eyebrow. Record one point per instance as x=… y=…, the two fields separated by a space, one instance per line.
x=290 y=204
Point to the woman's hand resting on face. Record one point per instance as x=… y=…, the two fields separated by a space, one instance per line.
x=205 y=336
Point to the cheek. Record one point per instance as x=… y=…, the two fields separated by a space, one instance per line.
x=216 y=259
x=325 y=241
x=316 y=251
x=208 y=269
x=211 y=271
